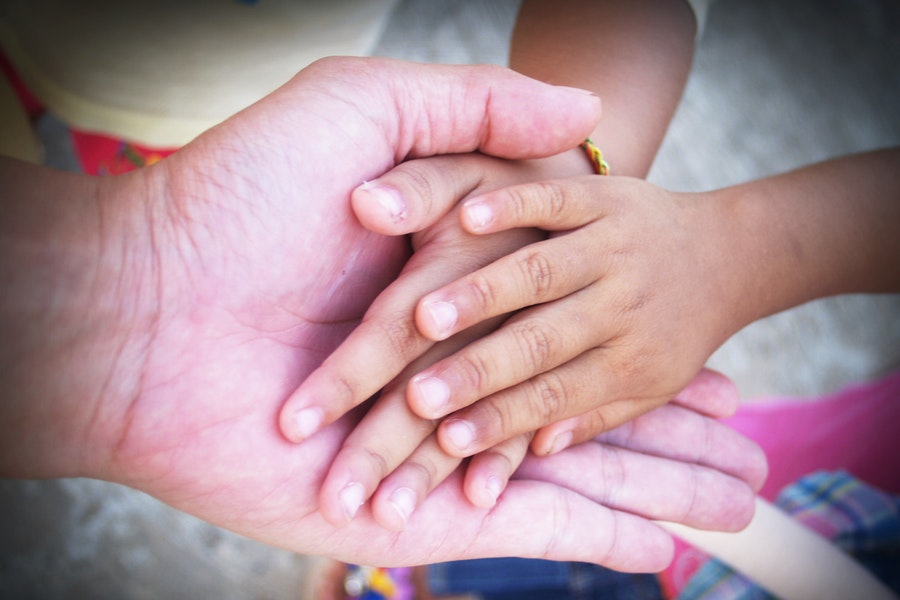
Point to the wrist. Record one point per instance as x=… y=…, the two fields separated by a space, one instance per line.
x=73 y=322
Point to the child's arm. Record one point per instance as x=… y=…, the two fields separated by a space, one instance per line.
x=638 y=289
x=640 y=285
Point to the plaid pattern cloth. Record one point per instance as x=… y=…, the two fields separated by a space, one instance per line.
x=860 y=519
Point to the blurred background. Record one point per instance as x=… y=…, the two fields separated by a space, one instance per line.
x=775 y=85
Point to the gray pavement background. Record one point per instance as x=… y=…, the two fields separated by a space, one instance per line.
x=775 y=85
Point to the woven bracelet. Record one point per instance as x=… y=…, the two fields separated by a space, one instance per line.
x=596 y=157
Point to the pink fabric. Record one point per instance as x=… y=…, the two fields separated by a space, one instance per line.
x=856 y=429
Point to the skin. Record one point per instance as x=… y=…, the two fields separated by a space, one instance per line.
x=155 y=323
x=594 y=342
x=652 y=42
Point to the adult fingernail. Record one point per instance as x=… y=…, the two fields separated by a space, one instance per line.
x=404 y=502
x=561 y=442
x=460 y=433
x=306 y=422
x=443 y=314
x=434 y=394
x=479 y=214
x=351 y=498
x=389 y=200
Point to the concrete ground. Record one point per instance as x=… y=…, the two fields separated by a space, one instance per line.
x=775 y=85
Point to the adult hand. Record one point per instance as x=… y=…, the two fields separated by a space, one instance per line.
x=157 y=321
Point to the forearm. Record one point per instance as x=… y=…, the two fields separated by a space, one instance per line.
x=634 y=55
x=826 y=229
x=61 y=318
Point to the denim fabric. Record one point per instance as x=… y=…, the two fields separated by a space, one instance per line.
x=528 y=579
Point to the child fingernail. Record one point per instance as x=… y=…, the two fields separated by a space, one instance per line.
x=479 y=215
x=561 y=442
x=351 y=498
x=493 y=488
x=434 y=393
x=460 y=433
x=404 y=502
x=306 y=423
x=443 y=314
x=389 y=200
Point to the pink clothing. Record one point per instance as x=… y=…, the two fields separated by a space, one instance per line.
x=854 y=430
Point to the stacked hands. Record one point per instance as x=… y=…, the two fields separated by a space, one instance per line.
x=253 y=355
x=538 y=314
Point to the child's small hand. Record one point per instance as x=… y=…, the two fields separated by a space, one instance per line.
x=618 y=310
x=385 y=350
x=386 y=341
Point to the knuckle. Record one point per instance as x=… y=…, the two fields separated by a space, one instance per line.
x=552 y=398
x=553 y=199
x=377 y=462
x=475 y=370
x=424 y=471
x=400 y=334
x=484 y=292
x=537 y=272
x=541 y=199
x=418 y=179
x=344 y=391
x=591 y=425
x=537 y=343
x=505 y=417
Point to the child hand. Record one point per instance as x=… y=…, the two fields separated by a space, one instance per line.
x=391 y=441
x=618 y=310
x=386 y=342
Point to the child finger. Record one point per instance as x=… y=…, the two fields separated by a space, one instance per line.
x=383 y=439
x=571 y=389
x=554 y=205
x=540 y=272
x=709 y=393
x=489 y=471
x=383 y=344
x=406 y=487
x=355 y=370
x=528 y=344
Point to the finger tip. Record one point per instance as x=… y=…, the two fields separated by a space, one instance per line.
x=393 y=511
x=299 y=424
x=457 y=437
x=380 y=208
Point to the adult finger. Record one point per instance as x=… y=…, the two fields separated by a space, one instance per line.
x=649 y=486
x=533 y=519
x=671 y=432
x=417 y=193
x=710 y=393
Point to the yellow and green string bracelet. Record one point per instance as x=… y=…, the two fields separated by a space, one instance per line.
x=595 y=156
